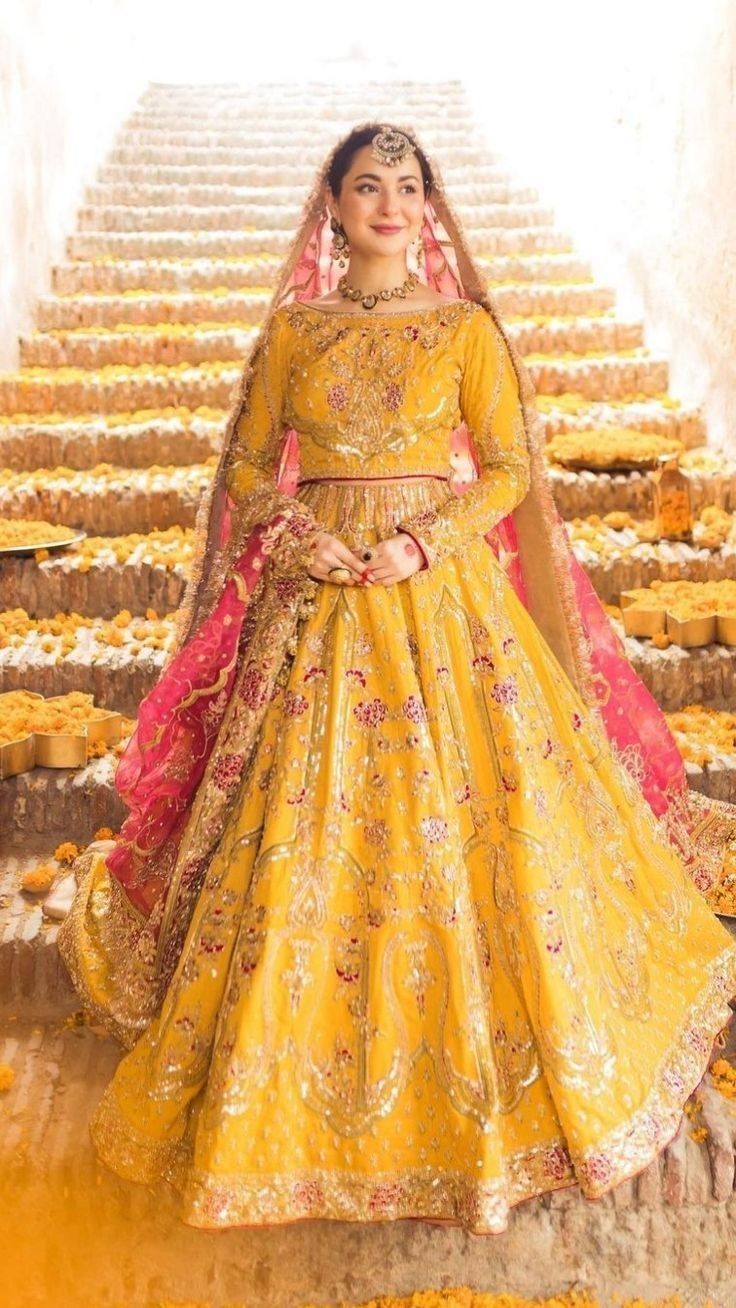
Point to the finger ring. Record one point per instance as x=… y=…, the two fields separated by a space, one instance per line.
x=366 y=554
x=340 y=574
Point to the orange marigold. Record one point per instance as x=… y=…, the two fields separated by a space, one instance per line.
x=67 y=852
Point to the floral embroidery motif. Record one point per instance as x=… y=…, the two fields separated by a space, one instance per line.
x=227 y=771
x=371 y=713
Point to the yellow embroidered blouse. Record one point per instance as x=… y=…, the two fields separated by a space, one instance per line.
x=379 y=395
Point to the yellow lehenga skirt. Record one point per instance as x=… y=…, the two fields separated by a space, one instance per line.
x=444 y=958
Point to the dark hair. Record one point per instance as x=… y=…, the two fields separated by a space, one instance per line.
x=359 y=137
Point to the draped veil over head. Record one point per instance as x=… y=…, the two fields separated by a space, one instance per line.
x=156 y=868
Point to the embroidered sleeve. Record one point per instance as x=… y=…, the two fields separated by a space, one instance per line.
x=257 y=448
x=491 y=408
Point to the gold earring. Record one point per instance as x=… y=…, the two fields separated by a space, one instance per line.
x=339 y=249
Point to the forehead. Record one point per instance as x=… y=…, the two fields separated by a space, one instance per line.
x=363 y=162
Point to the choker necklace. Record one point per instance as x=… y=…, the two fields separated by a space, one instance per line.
x=371 y=300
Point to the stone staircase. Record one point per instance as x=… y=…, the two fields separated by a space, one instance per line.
x=112 y=425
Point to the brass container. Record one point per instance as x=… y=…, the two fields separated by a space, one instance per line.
x=643 y=622
x=671 y=501
x=17 y=756
x=692 y=632
x=726 y=628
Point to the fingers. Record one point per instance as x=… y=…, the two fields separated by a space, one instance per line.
x=346 y=556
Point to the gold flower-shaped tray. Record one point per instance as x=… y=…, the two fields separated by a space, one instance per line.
x=41 y=749
x=702 y=629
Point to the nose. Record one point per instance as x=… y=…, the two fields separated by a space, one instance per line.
x=390 y=204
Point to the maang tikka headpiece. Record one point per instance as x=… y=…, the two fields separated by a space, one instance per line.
x=390 y=146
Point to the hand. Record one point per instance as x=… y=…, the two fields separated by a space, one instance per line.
x=395 y=559
x=331 y=552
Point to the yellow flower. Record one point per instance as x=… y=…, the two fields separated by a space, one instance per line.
x=67 y=852
x=104 y=833
x=37 y=880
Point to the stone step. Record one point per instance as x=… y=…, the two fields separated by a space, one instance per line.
x=194 y=244
x=287 y=172
x=49 y=805
x=118 y=388
x=525 y=272
x=192 y=436
x=100 y=310
x=34 y=982
x=91 y=347
x=578 y=494
x=227 y=100
x=105 y=502
x=473 y=151
x=663 y=416
x=248 y=133
x=127 y=440
x=106 y=586
x=58 y=1199
x=677 y=677
x=292 y=129
x=101 y=588
x=269 y=215
x=126 y=190
x=164 y=343
x=119 y=687
x=665 y=560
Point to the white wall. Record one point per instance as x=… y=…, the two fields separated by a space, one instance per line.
x=625 y=118
x=70 y=71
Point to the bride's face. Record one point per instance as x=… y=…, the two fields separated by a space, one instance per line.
x=381 y=207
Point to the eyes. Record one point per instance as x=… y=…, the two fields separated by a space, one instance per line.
x=408 y=186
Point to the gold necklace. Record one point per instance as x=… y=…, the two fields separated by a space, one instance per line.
x=370 y=300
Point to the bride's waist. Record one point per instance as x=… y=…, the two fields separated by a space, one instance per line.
x=368 y=508
x=369 y=481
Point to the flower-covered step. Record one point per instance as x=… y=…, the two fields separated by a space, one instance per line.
x=194 y=244
x=120 y=276
x=102 y=576
x=659 y=415
x=116 y=274
x=620 y=553
x=117 y=661
x=118 y=388
x=626 y=375
x=707 y=741
x=121 y=387
x=711 y=474
x=249 y=306
x=677 y=676
x=129 y=440
x=269 y=215
x=135 y=344
x=106 y=500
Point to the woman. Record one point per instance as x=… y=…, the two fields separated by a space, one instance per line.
x=406 y=918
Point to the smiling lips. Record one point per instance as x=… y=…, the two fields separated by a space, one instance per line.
x=387 y=231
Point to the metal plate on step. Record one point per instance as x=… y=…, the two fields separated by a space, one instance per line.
x=21 y=550
x=617 y=465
